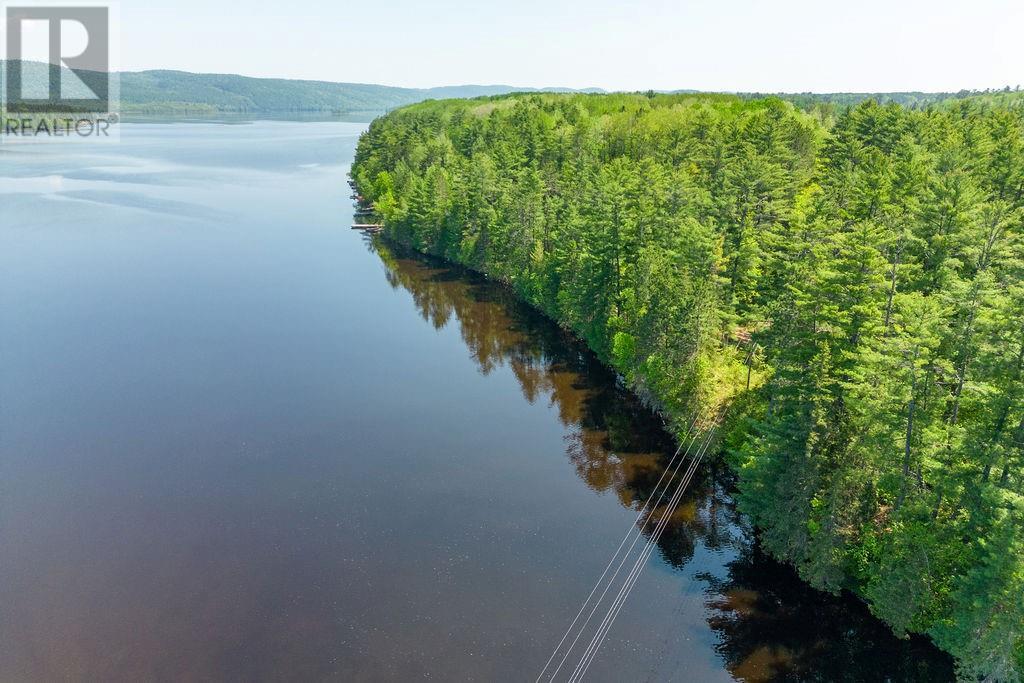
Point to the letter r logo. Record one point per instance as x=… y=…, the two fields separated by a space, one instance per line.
x=58 y=59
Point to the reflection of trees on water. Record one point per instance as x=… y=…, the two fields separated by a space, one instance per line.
x=771 y=626
x=614 y=442
x=774 y=627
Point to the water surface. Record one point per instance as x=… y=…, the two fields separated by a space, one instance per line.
x=239 y=441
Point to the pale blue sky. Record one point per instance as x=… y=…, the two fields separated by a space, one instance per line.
x=776 y=45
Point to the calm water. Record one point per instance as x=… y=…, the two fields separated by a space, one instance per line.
x=238 y=441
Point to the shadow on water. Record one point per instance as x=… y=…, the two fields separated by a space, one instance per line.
x=769 y=625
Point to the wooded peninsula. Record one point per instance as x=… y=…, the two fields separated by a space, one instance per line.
x=842 y=286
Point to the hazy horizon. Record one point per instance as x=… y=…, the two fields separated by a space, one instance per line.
x=550 y=86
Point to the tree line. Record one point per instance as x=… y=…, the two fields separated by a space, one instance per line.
x=845 y=286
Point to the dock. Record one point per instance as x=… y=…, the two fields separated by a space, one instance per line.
x=368 y=227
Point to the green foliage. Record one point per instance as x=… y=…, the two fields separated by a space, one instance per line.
x=848 y=288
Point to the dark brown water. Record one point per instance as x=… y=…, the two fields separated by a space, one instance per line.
x=238 y=441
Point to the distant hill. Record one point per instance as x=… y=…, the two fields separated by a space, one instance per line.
x=179 y=90
x=144 y=90
x=165 y=91
x=160 y=90
x=141 y=90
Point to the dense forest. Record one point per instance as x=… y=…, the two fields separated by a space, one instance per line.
x=844 y=288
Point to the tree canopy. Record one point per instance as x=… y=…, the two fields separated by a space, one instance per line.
x=845 y=285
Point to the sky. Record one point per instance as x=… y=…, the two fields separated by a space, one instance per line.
x=721 y=45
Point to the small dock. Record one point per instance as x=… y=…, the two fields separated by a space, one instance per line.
x=363 y=210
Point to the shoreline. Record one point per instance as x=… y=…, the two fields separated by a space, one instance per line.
x=723 y=472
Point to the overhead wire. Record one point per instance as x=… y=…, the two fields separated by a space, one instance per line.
x=640 y=522
x=631 y=579
x=647 y=512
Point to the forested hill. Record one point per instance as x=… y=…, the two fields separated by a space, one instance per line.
x=170 y=90
x=166 y=91
x=848 y=291
x=161 y=91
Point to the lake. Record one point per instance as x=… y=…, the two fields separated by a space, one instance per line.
x=240 y=441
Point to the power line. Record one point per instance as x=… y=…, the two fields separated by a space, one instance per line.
x=602 y=631
x=630 y=531
x=667 y=476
